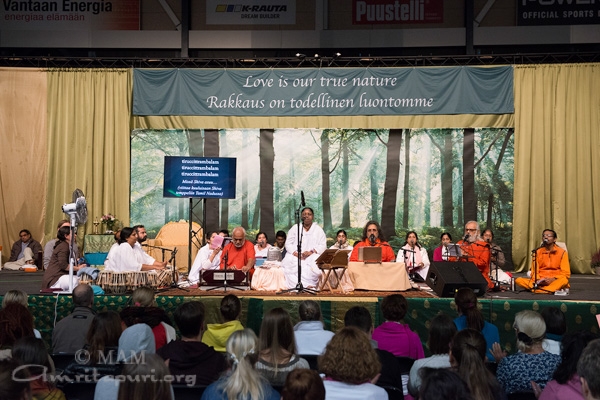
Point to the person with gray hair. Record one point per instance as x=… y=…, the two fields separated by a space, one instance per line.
x=311 y=338
x=474 y=249
x=532 y=363
x=239 y=254
x=587 y=369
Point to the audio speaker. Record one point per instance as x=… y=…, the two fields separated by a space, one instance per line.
x=446 y=277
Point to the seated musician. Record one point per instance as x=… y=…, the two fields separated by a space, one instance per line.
x=415 y=257
x=373 y=236
x=442 y=253
x=239 y=254
x=125 y=258
x=474 y=249
x=553 y=269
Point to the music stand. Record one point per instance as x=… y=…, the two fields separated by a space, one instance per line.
x=331 y=260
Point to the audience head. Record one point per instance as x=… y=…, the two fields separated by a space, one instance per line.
x=154 y=386
x=467 y=356
x=466 y=302
x=244 y=382
x=572 y=346
x=440 y=383
x=373 y=227
x=189 y=318
x=394 y=307
x=103 y=333
x=277 y=333
x=556 y=322
x=531 y=329
x=83 y=295
x=587 y=369
x=143 y=297
x=32 y=352
x=63 y=233
x=15 y=322
x=136 y=340
x=350 y=358
x=359 y=317
x=309 y=310
x=303 y=384
x=15 y=296
x=11 y=388
x=441 y=332
x=231 y=307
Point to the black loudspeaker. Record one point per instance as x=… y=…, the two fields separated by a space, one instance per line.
x=446 y=277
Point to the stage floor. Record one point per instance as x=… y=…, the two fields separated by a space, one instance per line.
x=583 y=288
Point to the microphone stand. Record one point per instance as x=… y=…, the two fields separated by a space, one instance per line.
x=299 y=287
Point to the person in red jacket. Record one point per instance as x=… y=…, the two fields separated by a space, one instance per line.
x=373 y=236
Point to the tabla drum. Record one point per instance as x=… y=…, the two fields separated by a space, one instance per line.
x=86 y=279
x=165 y=278
x=137 y=279
x=104 y=279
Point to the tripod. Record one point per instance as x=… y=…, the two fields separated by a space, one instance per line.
x=299 y=286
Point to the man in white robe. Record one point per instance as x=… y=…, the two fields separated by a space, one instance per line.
x=314 y=242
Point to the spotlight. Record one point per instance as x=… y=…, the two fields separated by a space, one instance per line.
x=300 y=55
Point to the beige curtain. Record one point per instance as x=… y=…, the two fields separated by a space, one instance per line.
x=89 y=113
x=557 y=168
x=23 y=154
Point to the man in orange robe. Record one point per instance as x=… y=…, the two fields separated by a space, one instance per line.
x=476 y=250
x=373 y=236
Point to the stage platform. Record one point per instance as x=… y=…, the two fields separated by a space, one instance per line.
x=499 y=308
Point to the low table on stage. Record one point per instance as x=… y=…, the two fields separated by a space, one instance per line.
x=96 y=248
x=385 y=277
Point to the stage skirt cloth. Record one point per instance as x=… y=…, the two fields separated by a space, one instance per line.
x=269 y=277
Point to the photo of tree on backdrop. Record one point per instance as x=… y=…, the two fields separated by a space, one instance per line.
x=426 y=180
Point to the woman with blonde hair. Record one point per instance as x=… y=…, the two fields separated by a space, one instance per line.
x=532 y=363
x=277 y=351
x=242 y=381
x=351 y=367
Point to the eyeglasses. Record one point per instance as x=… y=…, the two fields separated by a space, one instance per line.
x=471 y=230
x=551 y=236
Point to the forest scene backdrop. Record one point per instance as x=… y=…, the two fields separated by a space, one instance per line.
x=426 y=180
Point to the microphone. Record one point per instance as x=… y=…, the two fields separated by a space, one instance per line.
x=302 y=202
x=341 y=242
x=372 y=239
x=545 y=242
x=467 y=236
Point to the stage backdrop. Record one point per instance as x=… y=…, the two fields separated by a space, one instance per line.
x=428 y=180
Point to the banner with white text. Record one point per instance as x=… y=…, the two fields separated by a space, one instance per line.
x=331 y=91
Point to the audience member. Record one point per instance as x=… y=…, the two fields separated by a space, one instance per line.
x=56 y=275
x=391 y=375
x=128 y=258
x=310 y=336
x=393 y=335
x=556 y=327
x=341 y=241
x=216 y=335
x=21 y=297
x=351 y=367
x=532 y=362
x=277 y=350
x=373 y=237
x=156 y=386
x=15 y=322
x=32 y=352
x=467 y=356
x=261 y=248
x=415 y=258
x=441 y=332
x=314 y=242
x=471 y=317
x=587 y=369
x=49 y=246
x=242 y=381
x=68 y=334
x=188 y=355
x=565 y=383
x=11 y=388
x=143 y=309
x=23 y=252
x=303 y=384
x=208 y=257
x=135 y=343
x=443 y=384
x=443 y=252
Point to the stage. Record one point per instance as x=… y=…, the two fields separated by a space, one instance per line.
x=499 y=308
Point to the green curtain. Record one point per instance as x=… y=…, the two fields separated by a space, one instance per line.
x=89 y=114
x=557 y=168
